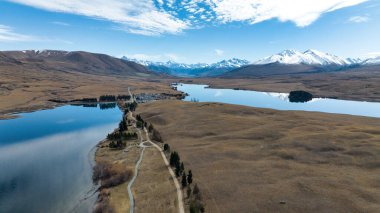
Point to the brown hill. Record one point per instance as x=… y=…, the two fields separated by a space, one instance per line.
x=77 y=61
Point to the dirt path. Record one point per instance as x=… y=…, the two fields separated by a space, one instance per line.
x=137 y=167
x=181 y=208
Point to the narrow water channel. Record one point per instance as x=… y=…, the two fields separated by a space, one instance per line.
x=277 y=101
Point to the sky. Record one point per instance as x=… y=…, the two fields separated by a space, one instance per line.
x=192 y=31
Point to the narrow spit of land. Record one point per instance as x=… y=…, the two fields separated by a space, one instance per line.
x=181 y=208
x=149 y=180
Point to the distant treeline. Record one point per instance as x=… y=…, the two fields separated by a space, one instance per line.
x=112 y=98
x=102 y=98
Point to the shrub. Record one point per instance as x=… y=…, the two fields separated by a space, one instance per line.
x=166 y=148
x=184 y=181
x=110 y=175
x=190 y=177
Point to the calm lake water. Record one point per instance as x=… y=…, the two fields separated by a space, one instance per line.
x=277 y=101
x=46 y=158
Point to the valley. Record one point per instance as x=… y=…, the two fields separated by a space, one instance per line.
x=268 y=160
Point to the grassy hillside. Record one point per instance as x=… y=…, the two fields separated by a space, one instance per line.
x=261 y=160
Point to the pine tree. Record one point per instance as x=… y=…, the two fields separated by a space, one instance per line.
x=190 y=177
x=184 y=181
x=166 y=147
x=182 y=167
x=177 y=170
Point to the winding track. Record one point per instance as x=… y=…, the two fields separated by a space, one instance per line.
x=176 y=183
x=137 y=167
x=181 y=208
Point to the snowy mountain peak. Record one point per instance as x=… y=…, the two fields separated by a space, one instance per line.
x=230 y=63
x=372 y=61
x=310 y=57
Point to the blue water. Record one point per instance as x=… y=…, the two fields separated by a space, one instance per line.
x=277 y=101
x=46 y=158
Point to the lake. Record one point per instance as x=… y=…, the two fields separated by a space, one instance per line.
x=278 y=101
x=46 y=158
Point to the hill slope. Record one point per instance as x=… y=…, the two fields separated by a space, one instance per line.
x=78 y=61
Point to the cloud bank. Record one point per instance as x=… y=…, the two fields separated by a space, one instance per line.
x=8 y=35
x=155 y=17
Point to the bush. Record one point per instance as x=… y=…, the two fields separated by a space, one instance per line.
x=184 y=181
x=166 y=148
x=150 y=128
x=110 y=175
x=139 y=124
x=117 y=179
x=119 y=144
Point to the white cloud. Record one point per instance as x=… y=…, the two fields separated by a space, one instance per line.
x=358 y=19
x=301 y=12
x=219 y=52
x=136 y=16
x=61 y=23
x=8 y=35
x=155 y=17
x=373 y=54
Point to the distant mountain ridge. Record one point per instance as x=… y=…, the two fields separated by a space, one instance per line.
x=192 y=70
x=309 y=57
x=309 y=60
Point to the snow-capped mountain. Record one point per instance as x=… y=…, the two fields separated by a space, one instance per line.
x=194 y=70
x=231 y=63
x=309 y=57
x=372 y=61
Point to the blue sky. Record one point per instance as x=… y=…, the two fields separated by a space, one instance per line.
x=192 y=31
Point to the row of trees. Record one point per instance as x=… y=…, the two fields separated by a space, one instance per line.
x=131 y=106
x=112 y=98
x=107 y=98
x=175 y=162
x=193 y=194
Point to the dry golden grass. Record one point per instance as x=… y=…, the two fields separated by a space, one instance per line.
x=118 y=195
x=28 y=90
x=260 y=160
x=154 y=189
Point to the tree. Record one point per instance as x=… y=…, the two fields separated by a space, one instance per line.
x=177 y=170
x=174 y=159
x=190 y=177
x=184 y=181
x=166 y=148
x=182 y=167
x=123 y=125
x=139 y=124
x=150 y=128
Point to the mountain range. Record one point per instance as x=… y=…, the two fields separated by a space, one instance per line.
x=192 y=70
x=311 y=59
